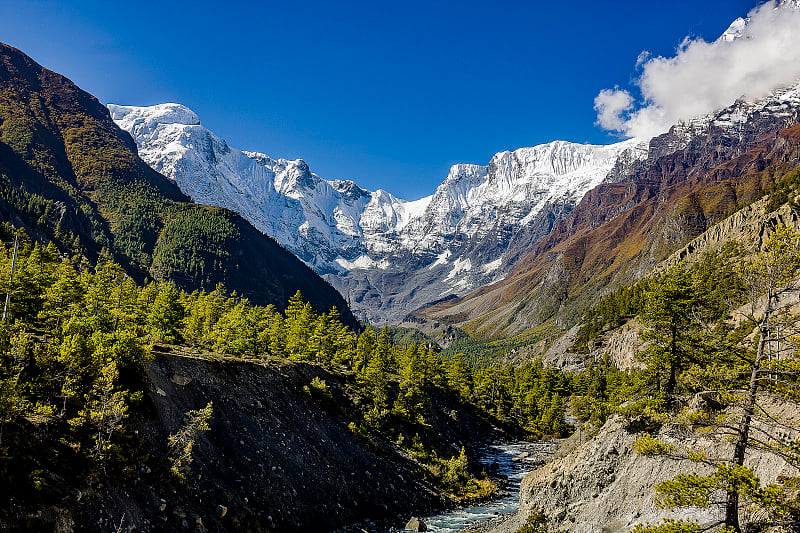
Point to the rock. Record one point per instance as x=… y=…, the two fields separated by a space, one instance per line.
x=160 y=391
x=415 y=524
x=180 y=380
x=602 y=483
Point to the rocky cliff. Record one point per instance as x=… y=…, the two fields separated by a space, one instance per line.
x=600 y=484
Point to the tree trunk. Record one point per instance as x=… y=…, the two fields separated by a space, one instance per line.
x=673 y=363
x=732 y=501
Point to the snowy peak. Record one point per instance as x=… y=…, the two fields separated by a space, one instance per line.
x=779 y=107
x=559 y=158
x=145 y=120
x=735 y=30
x=556 y=170
x=458 y=236
x=318 y=220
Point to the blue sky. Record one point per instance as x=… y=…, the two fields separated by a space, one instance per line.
x=387 y=94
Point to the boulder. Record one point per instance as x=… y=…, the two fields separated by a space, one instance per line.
x=415 y=524
x=181 y=380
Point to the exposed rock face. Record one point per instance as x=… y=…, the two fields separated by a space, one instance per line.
x=620 y=344
x=750 y=226
x=386 y=255
x=415 y=524
x=601 y=485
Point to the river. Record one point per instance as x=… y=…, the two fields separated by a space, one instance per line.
x=513 y=462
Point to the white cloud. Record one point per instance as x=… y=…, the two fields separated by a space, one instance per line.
x=703 y=77
x=611 y=106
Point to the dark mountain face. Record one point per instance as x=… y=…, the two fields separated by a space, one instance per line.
x=694 y=176
x=70 y=175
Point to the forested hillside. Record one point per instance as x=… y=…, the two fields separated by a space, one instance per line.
x=78 y=391
x=71 y=176
x=705 y=419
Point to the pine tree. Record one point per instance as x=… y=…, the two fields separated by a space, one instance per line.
x=183 y=441
x=752 y=359
x=299 y=324
x=459 y=376
x=166 y=314
x=667 y=315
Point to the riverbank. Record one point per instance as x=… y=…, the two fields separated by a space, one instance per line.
x=509 y=464
x=601 y=484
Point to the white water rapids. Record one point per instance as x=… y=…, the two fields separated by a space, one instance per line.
x=508 y=502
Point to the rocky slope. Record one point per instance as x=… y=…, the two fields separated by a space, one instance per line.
x=601 y=485
x=70 y=175
x=275 y=459
x=388 y=256
x=749 y=227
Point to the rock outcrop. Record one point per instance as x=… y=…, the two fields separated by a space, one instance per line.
x=600 y=484
x=620 y=344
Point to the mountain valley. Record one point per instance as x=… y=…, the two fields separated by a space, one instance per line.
x=201 y=338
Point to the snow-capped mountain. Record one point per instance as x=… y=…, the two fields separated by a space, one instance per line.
x=385 y=254
x=742 y=116
x=325 y=223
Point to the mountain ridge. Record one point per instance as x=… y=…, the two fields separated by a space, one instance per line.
x=695 y=175
x=365 y=242
x=71 y=176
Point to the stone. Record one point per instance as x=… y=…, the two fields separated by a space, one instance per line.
x=415 y=524
x=180 y=380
